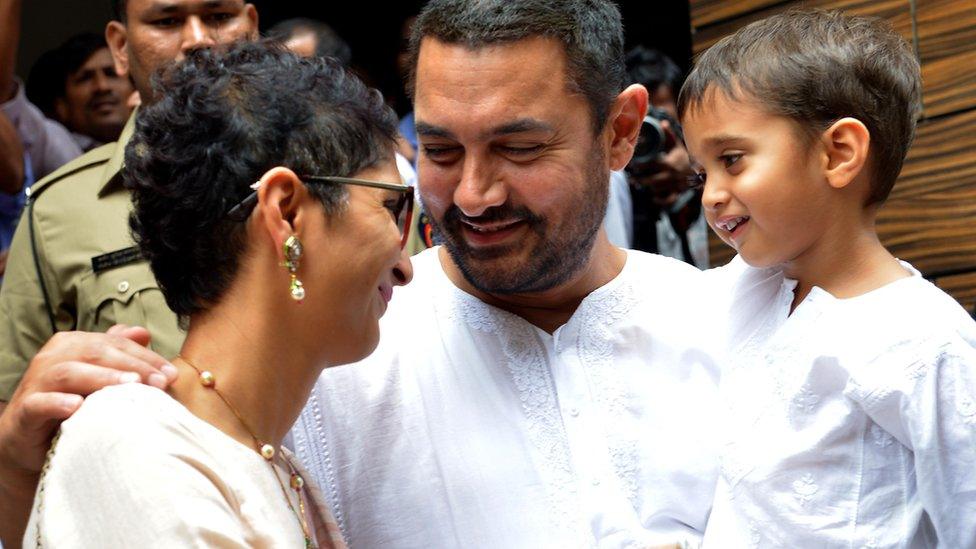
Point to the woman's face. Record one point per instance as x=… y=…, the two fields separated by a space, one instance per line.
x=352 y=265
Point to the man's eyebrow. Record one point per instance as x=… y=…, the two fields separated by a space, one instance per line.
x=520 y=126
x=430 y=130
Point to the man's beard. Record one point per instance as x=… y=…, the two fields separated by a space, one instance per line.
x=559 y=255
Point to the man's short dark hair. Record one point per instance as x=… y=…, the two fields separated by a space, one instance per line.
x=652 y=69
x=590 y=30
x=328 y=43
x=817 y=67
x=118 y=10
x=49 y=74
x=221 y=122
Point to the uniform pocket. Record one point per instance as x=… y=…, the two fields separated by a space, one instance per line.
x=116 y=296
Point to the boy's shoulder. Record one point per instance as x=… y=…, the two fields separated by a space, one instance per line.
x=912 y=319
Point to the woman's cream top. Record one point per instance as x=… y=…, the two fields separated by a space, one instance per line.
x=134 y=468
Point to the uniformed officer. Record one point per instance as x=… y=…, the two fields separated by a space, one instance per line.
x=72 y=264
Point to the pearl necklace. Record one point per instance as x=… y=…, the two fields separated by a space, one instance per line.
x=267 y=451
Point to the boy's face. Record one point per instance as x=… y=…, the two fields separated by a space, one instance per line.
x=765 y=192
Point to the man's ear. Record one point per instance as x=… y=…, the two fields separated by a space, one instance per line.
x=626 y=116
x=279 y=198
x=252 y=14
x=117 y=37
x=846 y=144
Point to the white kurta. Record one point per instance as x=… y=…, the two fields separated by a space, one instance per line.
x=850 y=422
x=469 y=427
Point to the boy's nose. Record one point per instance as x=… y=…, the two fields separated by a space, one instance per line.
x=714 y=196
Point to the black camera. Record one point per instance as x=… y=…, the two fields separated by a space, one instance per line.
x=654 y=139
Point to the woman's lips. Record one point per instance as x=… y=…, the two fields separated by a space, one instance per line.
x=386 y=291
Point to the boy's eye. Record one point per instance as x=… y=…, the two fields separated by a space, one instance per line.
x=730 y=159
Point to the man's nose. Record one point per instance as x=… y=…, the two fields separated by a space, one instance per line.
x=196 y=35
x=480 y=188
x=102 y=82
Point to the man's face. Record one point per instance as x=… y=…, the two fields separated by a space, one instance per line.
x=510 y=169
x=158 y=32
x=94 y=101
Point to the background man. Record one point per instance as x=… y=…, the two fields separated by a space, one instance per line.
x=47 y=143
x=667 y=216
x=77 y=85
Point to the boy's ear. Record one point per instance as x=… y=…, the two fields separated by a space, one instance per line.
x=846 y=143
x=626 y=117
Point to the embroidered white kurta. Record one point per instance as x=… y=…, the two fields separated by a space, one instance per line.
x=469 y=427
x=848 y=423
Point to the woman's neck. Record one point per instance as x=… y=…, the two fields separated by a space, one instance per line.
x=257 y=369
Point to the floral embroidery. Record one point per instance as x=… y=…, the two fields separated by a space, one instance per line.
x=596 y=353
x=881 y=437
x=804 y=489
x=967 y=409
x=755 y=534
x=318 y=456
x=806 y=400
x=530 y=373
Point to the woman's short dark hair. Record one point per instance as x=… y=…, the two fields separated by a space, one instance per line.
x=590 y=31
x=222 y=120
x=817 y=67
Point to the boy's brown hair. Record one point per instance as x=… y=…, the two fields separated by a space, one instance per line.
x=817 y=67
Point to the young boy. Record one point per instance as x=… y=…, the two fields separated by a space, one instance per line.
x=851 y=386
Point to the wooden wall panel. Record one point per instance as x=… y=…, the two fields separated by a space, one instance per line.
x=962 y=287
x=896 y=12
x=706 y=12
x=930 y=218
x=947 y=49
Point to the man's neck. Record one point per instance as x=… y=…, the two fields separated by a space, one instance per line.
x=550 y=309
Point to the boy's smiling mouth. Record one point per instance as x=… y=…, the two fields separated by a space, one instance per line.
x=729 y=223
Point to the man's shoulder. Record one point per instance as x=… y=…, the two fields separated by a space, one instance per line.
x=86 y=168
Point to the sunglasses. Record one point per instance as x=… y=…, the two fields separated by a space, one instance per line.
x=400 y=208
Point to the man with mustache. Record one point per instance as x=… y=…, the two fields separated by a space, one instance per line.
x=537 y=386
x=77 y=85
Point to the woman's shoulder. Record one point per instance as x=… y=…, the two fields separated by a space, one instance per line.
x=126 y=409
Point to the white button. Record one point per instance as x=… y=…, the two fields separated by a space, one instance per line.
x=596 y=482
x=574 y=412
x=123 y=286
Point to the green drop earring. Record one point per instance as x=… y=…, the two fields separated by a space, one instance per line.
x=292 y=249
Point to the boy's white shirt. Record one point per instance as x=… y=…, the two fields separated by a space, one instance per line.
x=850 y=422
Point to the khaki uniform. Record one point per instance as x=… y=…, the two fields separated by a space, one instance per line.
x=84 y=251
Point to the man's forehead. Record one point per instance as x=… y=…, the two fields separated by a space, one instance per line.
x=178 y=6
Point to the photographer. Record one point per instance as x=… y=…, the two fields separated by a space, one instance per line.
x=668 y=216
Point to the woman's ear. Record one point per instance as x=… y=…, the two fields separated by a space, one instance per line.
x=626 y=117
x=280 y=195
x=846 y=144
